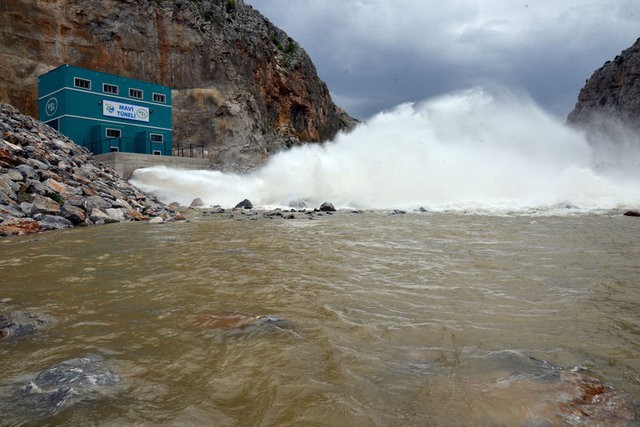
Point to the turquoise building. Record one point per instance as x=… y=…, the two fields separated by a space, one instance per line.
x=105 y=112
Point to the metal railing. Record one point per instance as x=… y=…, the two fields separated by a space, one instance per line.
x=189 y=150
x=121 y=144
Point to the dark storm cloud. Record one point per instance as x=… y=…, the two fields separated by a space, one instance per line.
x=375 y=54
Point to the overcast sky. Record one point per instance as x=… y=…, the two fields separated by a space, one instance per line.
x=375 y=54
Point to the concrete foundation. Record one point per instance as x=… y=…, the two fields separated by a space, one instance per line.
x=125 y=163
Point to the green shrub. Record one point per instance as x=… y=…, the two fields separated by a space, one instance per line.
x=55 y=197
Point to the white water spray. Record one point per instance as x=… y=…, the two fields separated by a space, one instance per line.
x=469 y=150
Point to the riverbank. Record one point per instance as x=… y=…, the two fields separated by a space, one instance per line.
x=47 y=182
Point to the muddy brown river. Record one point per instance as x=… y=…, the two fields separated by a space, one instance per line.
x=352 y=319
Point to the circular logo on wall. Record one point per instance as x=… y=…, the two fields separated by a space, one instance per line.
x=51 y=107
x=142 y=113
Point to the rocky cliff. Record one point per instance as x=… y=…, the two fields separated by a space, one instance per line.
x=611 y=96
x=242 y=87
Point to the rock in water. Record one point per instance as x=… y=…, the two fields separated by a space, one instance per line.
x=632 y=213
x=245 y=204
x=239 y=322
x=22 y=323
x=75 y=380
x=327 y=207
x=196 y=203
x=522 y=390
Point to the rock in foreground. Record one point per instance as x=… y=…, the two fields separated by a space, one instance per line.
x=47 y=182
x=22 y=323
x=76 y=380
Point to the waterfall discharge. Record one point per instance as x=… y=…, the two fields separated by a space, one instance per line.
x=471 y=150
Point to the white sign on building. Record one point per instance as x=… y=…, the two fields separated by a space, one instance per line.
x=125 y=111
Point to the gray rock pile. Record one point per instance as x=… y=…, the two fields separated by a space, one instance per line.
x=48 y=182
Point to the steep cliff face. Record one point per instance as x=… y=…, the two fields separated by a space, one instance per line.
x=611 y=96
x=242 y=87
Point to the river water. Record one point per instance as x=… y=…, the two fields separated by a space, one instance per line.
x=392 y=319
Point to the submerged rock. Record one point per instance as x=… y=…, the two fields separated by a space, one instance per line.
x=522 y=390
x=22 y=323
x=75 y=380
x=239 y=322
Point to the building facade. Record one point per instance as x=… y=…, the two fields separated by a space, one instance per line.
x=105 y=112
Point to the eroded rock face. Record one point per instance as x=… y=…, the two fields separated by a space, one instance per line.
x=242 y=87
x=610 y=98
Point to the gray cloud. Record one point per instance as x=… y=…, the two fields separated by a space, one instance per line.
x=375 y=54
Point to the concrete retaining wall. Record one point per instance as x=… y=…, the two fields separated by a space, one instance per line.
x=125 y=163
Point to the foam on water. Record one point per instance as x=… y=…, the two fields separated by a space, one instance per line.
x=472 y=150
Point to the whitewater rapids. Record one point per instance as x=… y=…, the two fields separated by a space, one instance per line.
x=471 y=150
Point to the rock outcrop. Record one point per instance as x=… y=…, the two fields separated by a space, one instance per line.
x=242 y=87
x=610 y=99
x=48 y=182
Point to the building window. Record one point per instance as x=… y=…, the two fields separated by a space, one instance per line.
x=156 y=137
x=156 y=152
x=114 y=133
x=114 y=149
x=82 y=83
x=107 y=88
x=135 y=93
x=158 y=97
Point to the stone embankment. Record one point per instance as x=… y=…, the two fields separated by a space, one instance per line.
x=47 y=182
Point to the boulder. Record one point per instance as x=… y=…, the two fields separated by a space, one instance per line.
x=245 y=204
x=19 y=226
x=240 y=322
x=156 y=220
x=327 y=207
x=632 y=213
x=116 y=215
x=52 y=222
x=11 y=211
x=196 y=203
x=22 y=323
x=96 y=201
x=44 y=205
x=73 y=213
x=82 y=379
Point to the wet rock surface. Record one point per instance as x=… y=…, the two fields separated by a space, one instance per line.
x=240 y=322
x=82 y=379
x=533 y=391
x=21 y=323
x=47 y=182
